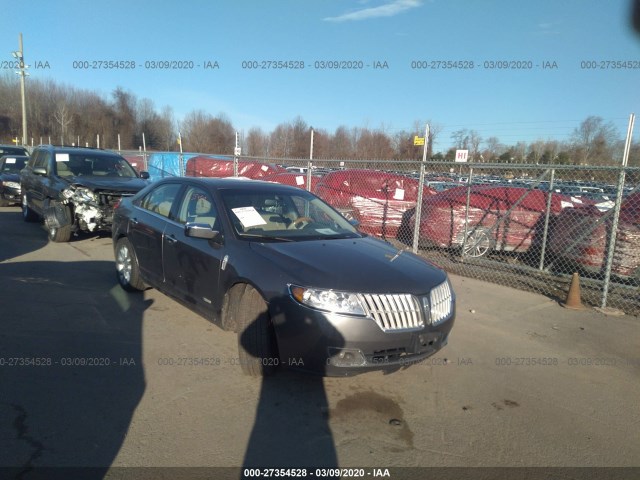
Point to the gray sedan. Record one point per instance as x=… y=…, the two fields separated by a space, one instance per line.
x=295 y=280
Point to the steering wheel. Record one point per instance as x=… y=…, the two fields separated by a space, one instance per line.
x=301 y=222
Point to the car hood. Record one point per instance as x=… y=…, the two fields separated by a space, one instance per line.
x=116 y=184
x=356 y=265
x=10 y=177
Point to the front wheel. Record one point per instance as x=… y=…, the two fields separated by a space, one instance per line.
x=127 y=269
x=257 y=349
x=479 y=243
x=57 y=233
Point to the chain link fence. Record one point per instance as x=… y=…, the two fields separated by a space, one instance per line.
x=529 y=227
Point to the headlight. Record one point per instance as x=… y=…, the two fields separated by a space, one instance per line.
x=15 y=185
x=328 y=300
x=86 y=195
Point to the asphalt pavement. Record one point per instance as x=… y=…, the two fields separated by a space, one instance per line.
x=91 y=376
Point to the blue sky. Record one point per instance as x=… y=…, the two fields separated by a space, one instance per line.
x=510 y=104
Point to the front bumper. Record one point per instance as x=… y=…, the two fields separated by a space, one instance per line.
x=341 y=345
x=10 y=194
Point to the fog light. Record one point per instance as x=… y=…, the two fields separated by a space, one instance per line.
x=346 y=357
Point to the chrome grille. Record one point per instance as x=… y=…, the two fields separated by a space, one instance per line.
x=394 y=312
x=441 y=303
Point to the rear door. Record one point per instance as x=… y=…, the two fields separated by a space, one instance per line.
x=147 y=223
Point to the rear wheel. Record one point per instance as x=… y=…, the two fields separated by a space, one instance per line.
x=127 y=269
x=257 y=349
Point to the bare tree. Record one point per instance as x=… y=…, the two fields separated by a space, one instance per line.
x=474 y=144
x=594 y=141
x=63 y=117
x=257 y=143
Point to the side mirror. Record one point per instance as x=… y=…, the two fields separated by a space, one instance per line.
x=144 y=175
x=40 y=171
x=201 y=230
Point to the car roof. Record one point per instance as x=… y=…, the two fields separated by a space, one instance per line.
x=239 y=183
x=81 y=150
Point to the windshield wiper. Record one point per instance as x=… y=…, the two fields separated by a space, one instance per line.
x=265 y=237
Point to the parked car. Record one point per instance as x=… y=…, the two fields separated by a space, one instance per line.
x=300 y=286
x=208 y=166
x=377 y=200
x=13 y=150
x=75 y=189
x=582 y=236
x=10 y=166
x=499 y=218
x=294 y=179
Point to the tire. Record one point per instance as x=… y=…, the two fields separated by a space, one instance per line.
x=127 y=269
x=28 y=215
x=58 y=234
x=479 y=243
x=257 y=349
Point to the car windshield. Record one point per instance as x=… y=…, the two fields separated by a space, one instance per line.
x=12 y=165
x=284 y=216
x=81 y=164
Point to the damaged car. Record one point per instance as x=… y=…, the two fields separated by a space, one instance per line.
x=10 y=166
x=76 y=189
x=299 y=285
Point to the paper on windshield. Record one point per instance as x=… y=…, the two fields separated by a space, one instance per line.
x=62 y=157
x=9 y=160
x=248 y=216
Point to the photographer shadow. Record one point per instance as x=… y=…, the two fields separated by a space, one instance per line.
x=291 y=427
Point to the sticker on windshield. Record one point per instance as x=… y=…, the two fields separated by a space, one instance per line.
x=399 y=195
x=299 y=180
x=248 y=216
x=10 y=160
x=326 y=231
x=62 y=157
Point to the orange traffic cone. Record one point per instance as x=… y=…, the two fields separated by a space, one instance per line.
x=573 y=300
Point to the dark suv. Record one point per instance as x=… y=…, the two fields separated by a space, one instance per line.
x=76 y=189
x=12 y=150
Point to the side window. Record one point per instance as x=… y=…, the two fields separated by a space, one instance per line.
x=40 y=159
x=160 y=199
x=198 y=207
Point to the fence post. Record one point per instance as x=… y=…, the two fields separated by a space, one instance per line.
x=309 y=166
x=616 y=213
x=546 y=220
x=418 y=214
x=466 y=212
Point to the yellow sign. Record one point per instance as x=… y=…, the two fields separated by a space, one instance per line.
x=418 y=140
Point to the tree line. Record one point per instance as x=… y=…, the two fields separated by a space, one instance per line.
x=64 y=114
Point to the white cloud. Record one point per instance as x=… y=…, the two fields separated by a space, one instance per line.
x=387 y=10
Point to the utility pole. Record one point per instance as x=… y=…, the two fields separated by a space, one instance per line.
x=19 y=55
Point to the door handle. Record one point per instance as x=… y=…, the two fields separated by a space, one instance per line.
x=171 y=239
x=134 y=221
